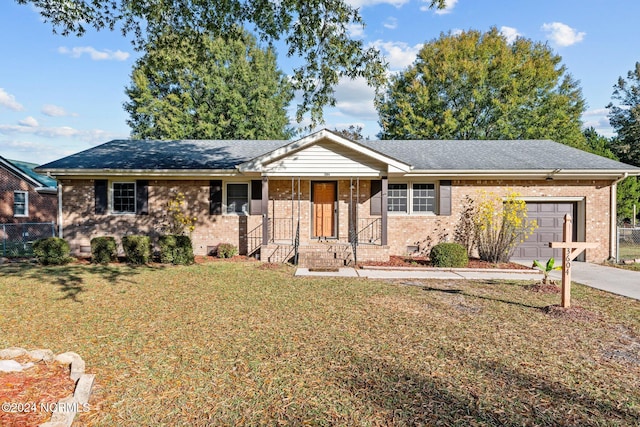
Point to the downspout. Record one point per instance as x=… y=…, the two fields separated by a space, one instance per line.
x=60 y=227
x=613 y=237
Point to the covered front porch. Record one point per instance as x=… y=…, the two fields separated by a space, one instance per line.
x=318 y=222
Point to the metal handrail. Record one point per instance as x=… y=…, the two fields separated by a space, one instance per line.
x=369 y=231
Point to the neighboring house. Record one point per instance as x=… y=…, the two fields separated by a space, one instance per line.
x=26 y=196
x=325 y=195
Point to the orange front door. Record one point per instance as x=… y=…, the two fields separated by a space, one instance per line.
x=324 y=197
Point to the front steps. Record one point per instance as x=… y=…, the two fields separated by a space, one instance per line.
x=323 y=255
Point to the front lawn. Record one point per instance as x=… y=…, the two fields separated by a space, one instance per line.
x=236 y=343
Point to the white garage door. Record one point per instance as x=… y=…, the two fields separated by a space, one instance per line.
x=550 y=219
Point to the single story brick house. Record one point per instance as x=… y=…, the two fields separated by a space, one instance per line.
x=325 y=197
x=25 y=196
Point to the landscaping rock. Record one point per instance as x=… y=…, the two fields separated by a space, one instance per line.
x=45 y=355
x=13 y=366
x=12 y=352
x=67 y=358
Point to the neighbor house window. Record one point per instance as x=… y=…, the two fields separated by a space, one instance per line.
x=237 y=198
x=424 y=198
x=397 y=198
x=124 y=197
x=20 y=203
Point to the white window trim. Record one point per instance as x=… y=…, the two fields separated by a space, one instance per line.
x=409 y=184
x=26 y=204
x=112 y=194
x=225 y=194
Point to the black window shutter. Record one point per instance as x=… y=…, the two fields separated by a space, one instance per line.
x=142 y=197
x=376 y=197
x=100 y=189
x=215 y=197
x=445 y=197
x=255 y=206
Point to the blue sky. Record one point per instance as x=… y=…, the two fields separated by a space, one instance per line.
x=60 y=95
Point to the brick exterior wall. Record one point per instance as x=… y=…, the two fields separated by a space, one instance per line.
x=81 y=223
x=42 y=207
x=425 y=231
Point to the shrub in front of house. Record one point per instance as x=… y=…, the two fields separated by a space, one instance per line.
x=137 y=249
x=176 y=249
x=449 y=255
x=226 y=250
x=52 y=251
x=103 y=250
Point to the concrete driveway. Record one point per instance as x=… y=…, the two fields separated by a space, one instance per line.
x=610 y=279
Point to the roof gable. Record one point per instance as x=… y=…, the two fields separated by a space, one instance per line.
x=25 y=172
x=352 y=156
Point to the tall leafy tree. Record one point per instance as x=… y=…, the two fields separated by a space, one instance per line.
x=353 y=132
x=315 y=30
x=476 y=85
x=624 y=117
x=205 y=87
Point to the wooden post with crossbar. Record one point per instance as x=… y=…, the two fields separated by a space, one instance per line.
x=570 y=250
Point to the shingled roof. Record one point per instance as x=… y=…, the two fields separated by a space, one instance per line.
x=427 y=155
x=166 y=155
x=485 y=155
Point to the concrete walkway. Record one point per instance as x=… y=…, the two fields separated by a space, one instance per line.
x=416 y=273
x=610 y=279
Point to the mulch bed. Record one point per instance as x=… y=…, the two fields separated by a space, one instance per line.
x=31 y=392
x=408 y=262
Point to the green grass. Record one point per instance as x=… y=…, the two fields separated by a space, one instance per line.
x=229 y=343
x=629 y=251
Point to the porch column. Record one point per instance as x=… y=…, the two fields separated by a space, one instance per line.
x=265 y=210
x=383 y=207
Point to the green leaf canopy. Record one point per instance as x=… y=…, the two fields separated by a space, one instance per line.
x=476 y=85
x=202 y=87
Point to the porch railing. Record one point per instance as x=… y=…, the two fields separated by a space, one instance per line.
x=254 y=240
x=281 y=230
x=296 y=245
x=369 y=231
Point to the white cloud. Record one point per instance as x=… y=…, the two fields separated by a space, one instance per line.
x=599 y=120
x=9 y=101
x=510 y=33
x=55 y=111
x=391 y=23
x=399 y=54
x=364 y=3
x=92 y=136
x=355 y=30
x=562 y=34
x=448 y=7
x=355 y=98
x=96 y=55
x=456 y=32
x=29 y=122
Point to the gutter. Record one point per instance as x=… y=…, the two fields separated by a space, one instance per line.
x=613 y=234
x=60 y=226
x=46 y=190
x=161 y=173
